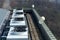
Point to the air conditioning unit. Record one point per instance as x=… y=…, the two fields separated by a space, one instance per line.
x=17 y=35
x=17 y=13
x=18 y=26
x=18 y=22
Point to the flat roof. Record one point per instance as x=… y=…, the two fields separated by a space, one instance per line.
x=3 y=14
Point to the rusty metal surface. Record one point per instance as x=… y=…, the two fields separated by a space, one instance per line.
x=33 y=30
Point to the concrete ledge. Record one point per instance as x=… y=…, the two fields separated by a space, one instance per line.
x=44 y=28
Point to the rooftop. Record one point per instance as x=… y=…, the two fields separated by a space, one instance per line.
x=3 y=14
